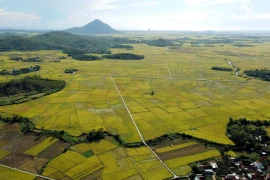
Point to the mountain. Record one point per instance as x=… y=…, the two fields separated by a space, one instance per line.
x=57 y=40
x=94 y=27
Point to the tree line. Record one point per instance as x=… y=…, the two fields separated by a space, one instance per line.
x=20 y=71
x=124 y=56
x=221 y=68
x=263 y=74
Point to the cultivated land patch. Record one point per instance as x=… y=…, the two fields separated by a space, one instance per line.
x=185 y=151
x=192 y=99
x=195 y=98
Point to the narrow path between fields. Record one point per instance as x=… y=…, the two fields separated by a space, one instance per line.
x=168 y=70
x=174 y=175
x=44 y=177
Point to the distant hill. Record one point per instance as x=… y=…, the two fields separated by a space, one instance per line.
x=56 y=40
x=94 y=27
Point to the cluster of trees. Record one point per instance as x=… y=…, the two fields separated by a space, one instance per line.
x=86 y=57
x=32 y=59
x=243 y=45
x=16 y=58
x=160 y=42
x=248 y=135
x=71 y=70
x=95 y=135
x=124 y=56
x=20 y=71
x=263 y=74
x=221 y=68
x=122 y=46
x=30 y=83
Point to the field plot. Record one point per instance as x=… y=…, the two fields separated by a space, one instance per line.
x=4 y=153
x=7 y=174
x=182 y=161
x=41 y=146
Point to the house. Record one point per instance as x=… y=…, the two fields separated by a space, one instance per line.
x=200 y=177
x=258 y=165
x=232 y=177
x=209 y=172
x=214 y=165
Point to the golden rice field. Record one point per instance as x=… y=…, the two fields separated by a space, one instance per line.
x=112 y=163
x=188 y=98
x=194 y=98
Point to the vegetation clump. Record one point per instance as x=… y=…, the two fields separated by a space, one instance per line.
x=27 y=88
x=122 y=46
x=86 y=57
x=160 y=42
x=20 y=71
x=221 y=68
x=124 y=56
x=248 y=135
x=71 y=70
x=263 y=74
x=16 y=58
x=34 y=59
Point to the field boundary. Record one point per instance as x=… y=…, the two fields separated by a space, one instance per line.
x=168 y=69
x=44 y=177
x=174 y=175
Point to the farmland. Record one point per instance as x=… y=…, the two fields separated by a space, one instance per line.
x=187 y=97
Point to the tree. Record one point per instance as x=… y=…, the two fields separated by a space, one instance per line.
x=27 y=127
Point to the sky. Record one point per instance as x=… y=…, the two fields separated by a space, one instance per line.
x=195 y=15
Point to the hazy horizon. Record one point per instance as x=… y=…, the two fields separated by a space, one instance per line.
x=157 y=15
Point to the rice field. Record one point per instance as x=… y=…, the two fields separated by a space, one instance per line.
x=7 y=174
x=192 y=99
x=195 y=98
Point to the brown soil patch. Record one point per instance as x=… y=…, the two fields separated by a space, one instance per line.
x=190 y=150
x=34 y=165
x=94 y=176
x=24 y=142
x=169 y=142
x=15 y=160
x=54 y=150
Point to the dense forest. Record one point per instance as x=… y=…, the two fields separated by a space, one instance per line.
x=124 y=56
x=30 y=83
x=60 y=40
x=248 y=135
x=221 y=68
x=20 y=71
x=263 y=74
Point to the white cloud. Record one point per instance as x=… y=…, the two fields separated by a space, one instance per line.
x=144 y=3
x=102 y=5
x=17 y=19
x=209 y=2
